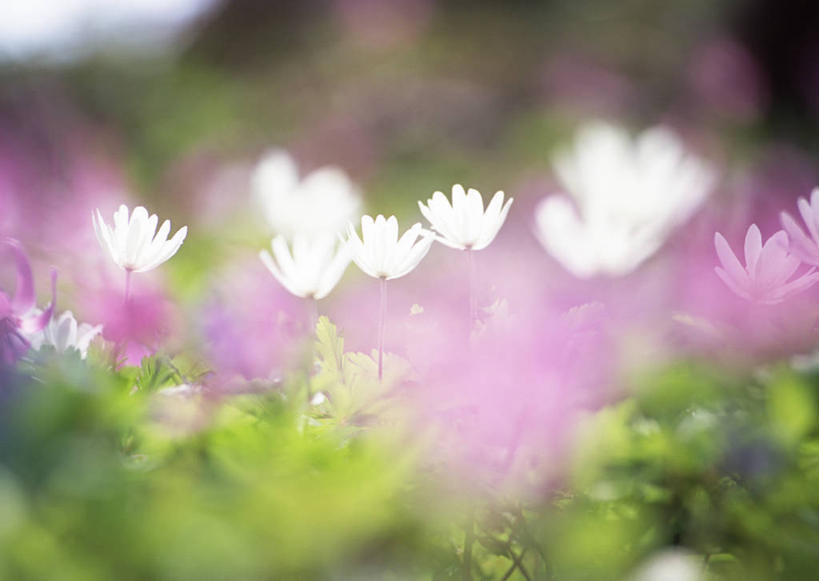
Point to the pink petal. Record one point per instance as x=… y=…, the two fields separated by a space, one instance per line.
x=753 y=248
x=729 y=260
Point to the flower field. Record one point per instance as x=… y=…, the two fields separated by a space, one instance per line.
x=407 y=290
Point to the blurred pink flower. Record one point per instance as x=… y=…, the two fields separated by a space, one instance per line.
x=765 y=278
x=19 y=317
x=727 y=80
x=139 y=326
x=804 y=247
x=253 y=328
x=508 y=400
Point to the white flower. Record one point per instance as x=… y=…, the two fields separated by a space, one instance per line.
x=624 y=198
x=769 y=268
x=64 y=333
x=671 y=565
x=324 y=201
x=312 y=268
x=134 y=243
x=464 y=224
x=381 y=254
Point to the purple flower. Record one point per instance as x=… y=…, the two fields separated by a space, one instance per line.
x=765 y=278
x=19 y=317
x=806 y=248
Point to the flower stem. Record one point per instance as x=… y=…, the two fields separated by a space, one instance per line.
x=312 y=314
x=473 y=298
x=382 y=321
x=127 y=285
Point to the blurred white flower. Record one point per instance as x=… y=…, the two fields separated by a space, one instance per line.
x=134 y=243
x=671 y=565
x=63 y=333
x=803 y=246
x=765 y=278
x=464 y=224
x=181 y=390
x=381 y=254
x=323 y=202
x=312 y=268
x=624 y=198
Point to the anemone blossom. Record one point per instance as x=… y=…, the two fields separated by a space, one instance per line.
x=767 y=275
x=381 y=254
x=64 y=333
x=625 y=196
x=805 y=247
x=320 y=202
x=312 y=268
x=465 y=225
x=134 y=243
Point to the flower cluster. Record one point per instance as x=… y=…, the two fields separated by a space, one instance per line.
x=309 y=261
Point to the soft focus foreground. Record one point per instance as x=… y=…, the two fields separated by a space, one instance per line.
x=505 y=291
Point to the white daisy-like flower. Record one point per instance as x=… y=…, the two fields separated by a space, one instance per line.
x=322 y=202
x=310 y=267
x=133 y=242
x=464 y=224
x=64 y=333
x=624 y=197
x=380 y=253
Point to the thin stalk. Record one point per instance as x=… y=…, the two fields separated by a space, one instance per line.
x=382 y=322
x=312 y=313
x=128 y=272
x=473 y=297
x=312 y=319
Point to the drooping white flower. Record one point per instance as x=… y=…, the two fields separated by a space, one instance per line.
x=133 y=242
x=766 y=276
x=806 y=247
x=313 y=266
x=623 y=198
x=322 y=202
x=464 y=224
x=380 y=253
x=64 y=333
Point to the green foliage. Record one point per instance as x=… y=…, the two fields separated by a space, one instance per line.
x=116 y=473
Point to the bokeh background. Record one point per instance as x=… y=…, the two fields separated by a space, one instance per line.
x=171 y=104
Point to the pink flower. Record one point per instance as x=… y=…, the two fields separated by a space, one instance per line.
x=19 y=317
x=765 y=279
x=802 y=246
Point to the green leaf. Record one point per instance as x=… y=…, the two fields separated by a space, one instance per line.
x=791 y=409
